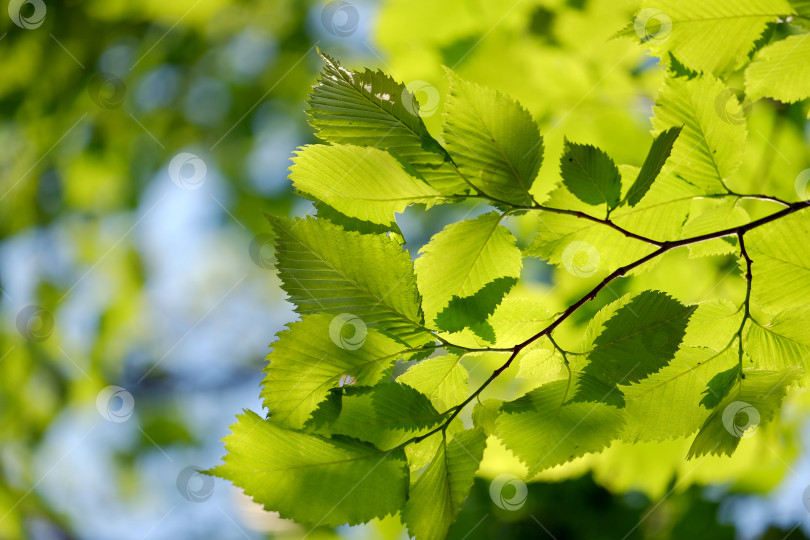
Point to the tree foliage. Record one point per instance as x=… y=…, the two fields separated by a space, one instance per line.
x=646 y=368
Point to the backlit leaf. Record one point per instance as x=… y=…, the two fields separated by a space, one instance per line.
x=362 y=183
x=590 y=174
x=464 y=257
x=494 y=141
x=341 y=481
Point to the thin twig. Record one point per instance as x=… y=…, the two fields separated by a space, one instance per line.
x=606 y=221
x=749 y=279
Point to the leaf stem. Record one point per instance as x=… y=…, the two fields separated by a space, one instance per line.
x=749 y=279
x=447 y=344
x=458 y=408
x=567 y=367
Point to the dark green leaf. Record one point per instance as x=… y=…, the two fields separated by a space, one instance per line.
x=590 y=174
x=385 y=415
x=750 y=402
x=653 y=163
x=640 y=338
x=472 y=311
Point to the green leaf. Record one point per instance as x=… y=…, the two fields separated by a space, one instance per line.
x=385 y=415
x=369 y=108
x=781 y=267
x=781 y=70
x=443 y=380
x=661 y=213
x=363 y=183
x=312 y=479
x=540 y=366
x=649 y=369
x=721 y=384
x=713 y=324
x=472 y=311
x=325 y=212
x=326 y=269
x=723 y=215
x=460 y=260
x=543 y=429
x=711 y=145
x=750 y=402
x=666 y=405
x=677 y=69
x=494 y=141
x=312 y=356
x=639 y=339
x=421 y=454
x=517 y=318
x=713 y=37
x=783 y=342
x=656 y=158
x=437 y=496
x=581 y=247
x=590 y=174
x=485 y=415
x=802 y=7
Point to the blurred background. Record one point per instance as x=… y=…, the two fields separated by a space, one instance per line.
x=140 y=143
